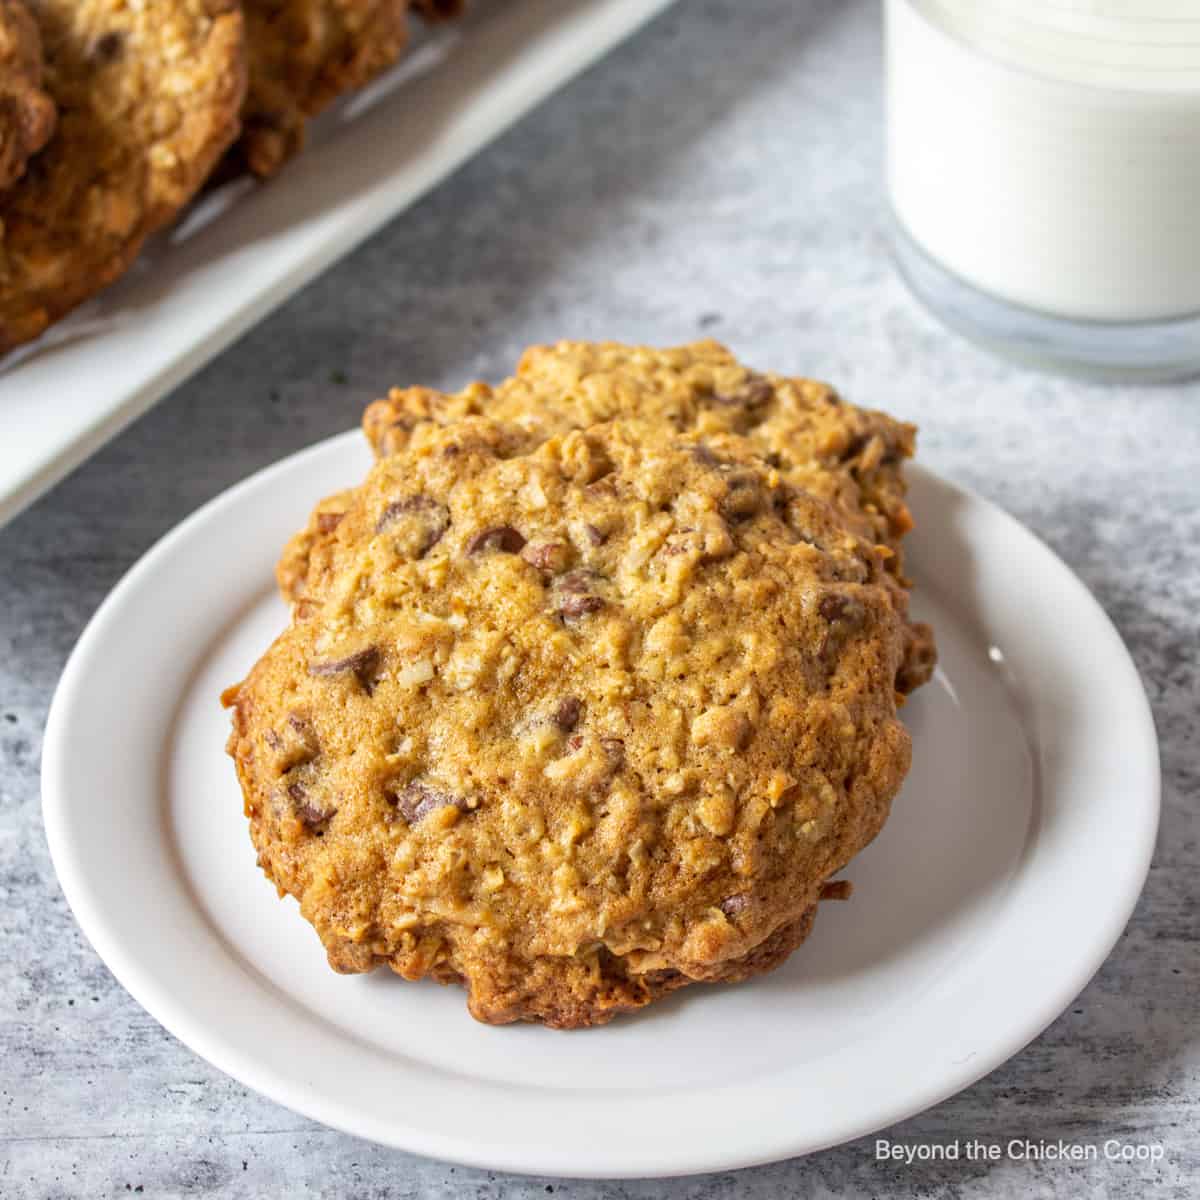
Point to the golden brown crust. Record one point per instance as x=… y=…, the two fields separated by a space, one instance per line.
x=148 y=98
x=575 y=720
x=849 y=456
x=27 y=112
x=303 y=55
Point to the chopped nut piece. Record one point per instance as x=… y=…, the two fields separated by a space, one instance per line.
x=550 y=557
x=717 y=812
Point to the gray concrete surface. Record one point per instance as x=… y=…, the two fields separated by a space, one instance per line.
x=718 y=174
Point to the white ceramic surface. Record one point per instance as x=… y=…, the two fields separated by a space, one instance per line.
x=1047 y=186
x=1011 y=862
x=244 y=251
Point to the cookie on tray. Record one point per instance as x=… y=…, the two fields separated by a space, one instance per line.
x=303 y=55
x=573 y=720
x=148 y=98
x=27 y=112
x=851 y=457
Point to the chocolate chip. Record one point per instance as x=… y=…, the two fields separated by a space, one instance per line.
x=855 y=447
x=567 y=714
x=327 y=522
x=595 y=536
x=743 y=497
x=361 y=665
x=417 y=800
x=603 y=487
x=107 y=48
x=270 y=119
x=395 y=436
x=503 y=538
x=296 y=745
x=579 y=606
x=312 y=813
x=732 y=905
x=363 y=660
x=754 y=393
x=579 y=587
x=313 y=817
x=399 y=508
x=836 y=607
x=840 y=889
x=579 y=581
x=417 y=522
x=832 y=607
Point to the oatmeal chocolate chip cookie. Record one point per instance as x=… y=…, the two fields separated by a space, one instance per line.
x=27 y=113
x=303 y=55
x=574 y=721
x=851 y=457
x=148 y=98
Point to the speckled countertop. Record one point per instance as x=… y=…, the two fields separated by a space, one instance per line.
x=718 y=174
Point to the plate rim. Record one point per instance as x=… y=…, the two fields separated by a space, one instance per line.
x=124 y=964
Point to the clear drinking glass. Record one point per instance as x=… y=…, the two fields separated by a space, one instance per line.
x=1044 y=176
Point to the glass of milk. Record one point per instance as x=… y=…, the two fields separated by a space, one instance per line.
x=1044 y=176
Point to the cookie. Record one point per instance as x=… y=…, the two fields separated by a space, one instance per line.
x=849 y=456
x=148 y=97
x=303 y=55
x=573 y=720
x=27 y=113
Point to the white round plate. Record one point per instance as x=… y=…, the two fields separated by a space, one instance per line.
x=1011 y=862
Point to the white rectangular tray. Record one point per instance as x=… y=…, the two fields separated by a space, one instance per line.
x=246 y=249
